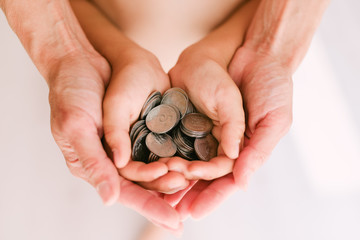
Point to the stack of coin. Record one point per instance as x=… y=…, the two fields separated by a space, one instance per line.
x=171 y=125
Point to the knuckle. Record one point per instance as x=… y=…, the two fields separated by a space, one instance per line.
x=69 y=122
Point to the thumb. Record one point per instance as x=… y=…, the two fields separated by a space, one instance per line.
x=97 y=168
x=116 y=131
x=232 y=120
x=260 y=145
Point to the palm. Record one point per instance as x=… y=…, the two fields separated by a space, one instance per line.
x=267 y=91
x=213 y=93
x=76 y=92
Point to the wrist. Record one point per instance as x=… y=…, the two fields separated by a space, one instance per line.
x=284 y=29
x=133 y=55
x=48 y=31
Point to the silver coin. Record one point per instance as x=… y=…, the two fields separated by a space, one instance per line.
x=153 y=157
x=178 y=98
x=191 y=108
x=134 y=128
x=136 y=133
x=185 y=145
x=139 y=151
x=160 y=144
x=196 y=125
x=153 y=100
x=162 y=118
x=206 y=148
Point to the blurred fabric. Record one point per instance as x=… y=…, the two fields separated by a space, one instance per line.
x=309 y=188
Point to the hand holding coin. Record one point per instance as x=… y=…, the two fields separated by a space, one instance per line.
x=214 y=94
x=129 y=88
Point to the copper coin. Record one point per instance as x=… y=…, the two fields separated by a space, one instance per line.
x=206 y=148
x=178 y=98
x=161 y=145
x=196 y=125
x=162 y=118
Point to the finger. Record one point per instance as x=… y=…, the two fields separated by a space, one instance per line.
x=259 y=147
x=142 y=172
x=97 y=168
x=213 y=196
x=180 y=165
x=118 y=140
x=174 y=199
x=215 y=168
x=177 y=232
x=120 y=109
x=149 y=205
x=116 y=131
x=232 y=120
x=170 y=183
x=184 y=205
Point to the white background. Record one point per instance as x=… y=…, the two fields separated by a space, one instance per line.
x=309 y=189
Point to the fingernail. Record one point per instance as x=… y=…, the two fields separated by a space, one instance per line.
x=104 y=190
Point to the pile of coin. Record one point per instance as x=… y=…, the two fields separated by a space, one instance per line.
x=170 y=125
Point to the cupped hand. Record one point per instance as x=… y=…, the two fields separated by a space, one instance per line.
x=214 y=93
x=77 y=84
x=266 y=87
x=135 y=75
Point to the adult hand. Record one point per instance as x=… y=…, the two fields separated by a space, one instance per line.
x=77 y=84
x=266 y=87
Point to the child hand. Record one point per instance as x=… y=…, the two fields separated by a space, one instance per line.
x=135 y=75
x=215 y=94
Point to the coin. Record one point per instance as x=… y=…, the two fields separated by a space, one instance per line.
x=152 y=101
x=152 y=157
x=139 y=151
x=196 y=125
x=178 y=98
x=162 y=118
x=182 y=141
x=134 y=129
x=160 y=144
x=185 y=145
x=206 y=148
x=191 y=108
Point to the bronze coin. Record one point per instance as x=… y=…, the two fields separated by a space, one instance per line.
x=177 y=98
x=206 y=148
x=161 y=145
x=196 y=125
x=162 y=118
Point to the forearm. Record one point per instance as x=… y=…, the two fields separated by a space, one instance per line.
x=102 y=33
x=284 y=29
x=221 y=43
x=47 y=29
